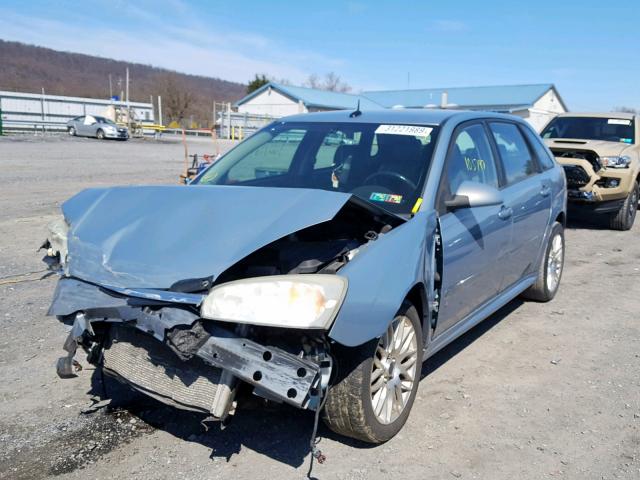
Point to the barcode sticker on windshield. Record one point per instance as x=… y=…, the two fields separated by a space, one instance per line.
x=412 y=130
x=618 y=121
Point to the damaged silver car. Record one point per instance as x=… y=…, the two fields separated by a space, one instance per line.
x=318 y=263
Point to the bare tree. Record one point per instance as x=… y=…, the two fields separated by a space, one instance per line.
x=626 y=110
x=281 y=81
x=330 y=82
x=176 y=99
x=313 y=81
x=334 y=83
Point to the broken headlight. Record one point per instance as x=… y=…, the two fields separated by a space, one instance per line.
x=616 y=162
x=290 y=301
x=57 y=241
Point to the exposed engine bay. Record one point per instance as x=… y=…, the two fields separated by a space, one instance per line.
x=592 y=157
x=159 y=344
x=321 y=248
x=577 y=176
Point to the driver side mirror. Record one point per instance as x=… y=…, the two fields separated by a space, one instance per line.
x=474 y=194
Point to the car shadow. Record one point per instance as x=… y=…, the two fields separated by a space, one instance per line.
x=454 y=348
x=584 y=221
x=280 y=432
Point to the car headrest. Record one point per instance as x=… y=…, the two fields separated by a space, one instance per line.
x=344 y=154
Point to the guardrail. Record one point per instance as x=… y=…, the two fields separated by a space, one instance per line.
x=43 y=126
x=35 y=126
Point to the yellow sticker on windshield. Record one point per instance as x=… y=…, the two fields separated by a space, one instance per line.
x=416 y=206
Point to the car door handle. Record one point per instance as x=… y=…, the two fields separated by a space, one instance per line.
x=545 y=191
x=505 y=212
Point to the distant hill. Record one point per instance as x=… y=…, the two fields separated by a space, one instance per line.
x=27 y=68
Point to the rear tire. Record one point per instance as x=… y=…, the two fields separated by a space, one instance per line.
x=100 y=134
x=551 y=267
x=625 y=217
x=369 y=402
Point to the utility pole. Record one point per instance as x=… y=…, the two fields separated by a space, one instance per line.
x=128 y=104
x=160 y=110
x=42 y=104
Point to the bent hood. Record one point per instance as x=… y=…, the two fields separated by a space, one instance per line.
x=154 y=236
x=601 y=147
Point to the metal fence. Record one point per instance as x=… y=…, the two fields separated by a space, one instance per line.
x=236 y=126
x=39 y=112
x=42 y=113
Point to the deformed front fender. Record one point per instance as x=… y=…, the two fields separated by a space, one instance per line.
x=380 y=277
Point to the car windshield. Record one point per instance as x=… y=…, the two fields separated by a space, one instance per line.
x=383 y=164
x=591 y=128
x=104 y=120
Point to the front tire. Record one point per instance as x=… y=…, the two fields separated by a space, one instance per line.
x=71 y=131
x=100 y=135
x=377 y=382
x=625 y=217
x=550 y=270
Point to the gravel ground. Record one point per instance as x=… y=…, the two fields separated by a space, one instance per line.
x=536 y=391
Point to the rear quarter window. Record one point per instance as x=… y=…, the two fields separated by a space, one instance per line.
x=544 y=155
x=517 y=160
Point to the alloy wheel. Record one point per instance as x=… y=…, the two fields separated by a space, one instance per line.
x=555 y=263
x=394 y=369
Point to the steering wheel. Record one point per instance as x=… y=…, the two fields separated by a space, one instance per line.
x=393 y=175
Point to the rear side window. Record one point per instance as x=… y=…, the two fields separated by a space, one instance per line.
x=544 y=155
x=516 y=158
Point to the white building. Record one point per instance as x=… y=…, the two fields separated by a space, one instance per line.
x=537 y=103
x=278 y=100
x=36 y=109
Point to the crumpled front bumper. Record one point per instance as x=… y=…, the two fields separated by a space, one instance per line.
x=586 y=186
x=274 y=373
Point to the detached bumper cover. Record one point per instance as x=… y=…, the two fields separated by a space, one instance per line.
x=586 y=201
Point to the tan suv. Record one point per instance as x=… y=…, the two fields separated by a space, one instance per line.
x=600 y=154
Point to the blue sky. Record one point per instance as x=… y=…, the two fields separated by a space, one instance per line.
x=589 y=49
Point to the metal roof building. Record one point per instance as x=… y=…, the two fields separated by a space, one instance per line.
x=536 y=103
x=279 y=100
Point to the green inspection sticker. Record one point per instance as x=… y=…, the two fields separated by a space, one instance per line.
x=385 y=197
